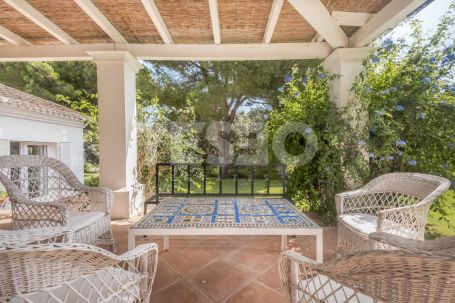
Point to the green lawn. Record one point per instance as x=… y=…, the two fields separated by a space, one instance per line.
x=213 y=186
x=439 y=227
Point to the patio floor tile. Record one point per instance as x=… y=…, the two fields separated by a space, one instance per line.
x=254 y=257
x=272 y=278
x=187 y=260
x=256 y=293
x=219 y=280
x=180 y=292
x=165 y=276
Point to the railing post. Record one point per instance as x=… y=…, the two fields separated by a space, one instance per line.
x=283 y=180
x=157 y=182
x=221 y=179
x=267 y=181
x=252 y=180
x=172 y=178
x=236 y=180
x=204 y=172
x=188 y=179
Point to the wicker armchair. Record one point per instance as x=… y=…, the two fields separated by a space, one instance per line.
x=443 y=247
x=44 y=192
x=77 y=273
x=368 y=277
x=396 y=203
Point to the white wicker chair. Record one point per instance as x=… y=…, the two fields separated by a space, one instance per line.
x=396 y=203
x=369 y=277
x=44 y=192
x=71 y=272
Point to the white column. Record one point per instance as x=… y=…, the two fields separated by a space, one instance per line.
x=4 y=147
x=346 y=63
x=116 y=76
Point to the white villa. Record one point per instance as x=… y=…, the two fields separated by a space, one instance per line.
x=30 y=125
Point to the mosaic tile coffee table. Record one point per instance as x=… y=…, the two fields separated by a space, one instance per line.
x=226 y=216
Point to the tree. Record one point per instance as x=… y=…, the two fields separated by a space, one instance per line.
x=216 y=90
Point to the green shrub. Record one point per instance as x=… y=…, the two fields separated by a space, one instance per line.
x=313 y=185
x=409 y=93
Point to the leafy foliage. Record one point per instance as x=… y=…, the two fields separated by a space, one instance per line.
x=313 y=185
x=409 y=93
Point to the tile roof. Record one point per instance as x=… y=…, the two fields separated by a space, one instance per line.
x=16 y=98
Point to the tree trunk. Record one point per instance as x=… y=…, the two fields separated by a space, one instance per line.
x=224 y=145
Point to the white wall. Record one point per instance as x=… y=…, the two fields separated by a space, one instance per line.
x=64 y=137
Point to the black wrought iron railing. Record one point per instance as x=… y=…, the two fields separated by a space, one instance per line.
x=188 y=179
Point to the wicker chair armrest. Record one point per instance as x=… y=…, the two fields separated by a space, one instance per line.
x=144 y=258
x=101 y=198
x=292 y=267
x=444 y=247
x=297 y=258
x=10 y=239
x=341 y=198
x=30 y=214
x=408 y=221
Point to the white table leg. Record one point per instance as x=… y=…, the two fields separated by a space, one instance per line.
x=319 y=247
x=284 y=242
x=131 y=240
x=166 y=242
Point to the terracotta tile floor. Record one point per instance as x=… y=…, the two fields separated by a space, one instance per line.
x=231 y=269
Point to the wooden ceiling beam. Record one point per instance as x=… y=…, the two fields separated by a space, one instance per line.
x=12 y=37
x=154 y=13
x=39 y=19
x=273 y=20
x=97 y=16
x=317 y=15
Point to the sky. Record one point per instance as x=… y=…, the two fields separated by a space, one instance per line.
x=430 y=16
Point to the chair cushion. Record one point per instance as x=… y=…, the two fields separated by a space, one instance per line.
x=88 y=289
x=321 y=288
x=363 y=223
x=366 y=224
x=79 y=220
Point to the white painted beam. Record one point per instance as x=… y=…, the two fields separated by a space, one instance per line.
x=273 y=19
x=317 y=15
x=97 y=16
x=351 y=19
x=317 y=38
x=12 y=37
x=213 y=6
x=154 y=13
x=39 y=19
x=260 y=51
x=391 y=15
